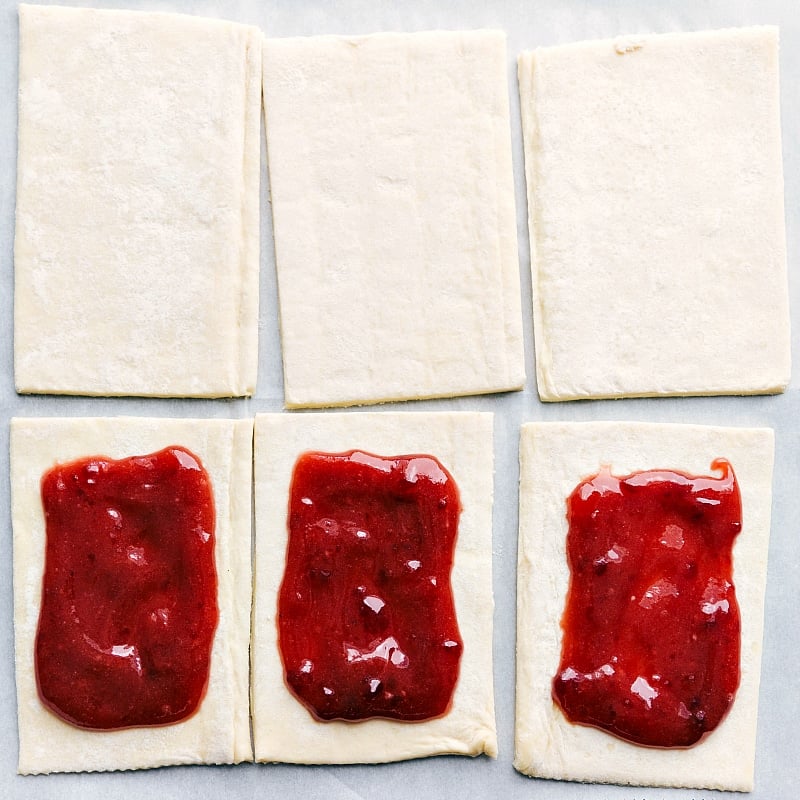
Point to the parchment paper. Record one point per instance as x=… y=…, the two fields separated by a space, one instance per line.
x=528 y=24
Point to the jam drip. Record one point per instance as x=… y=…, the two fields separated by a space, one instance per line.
x=366 y=619
x=651 y=627
x=129 y=599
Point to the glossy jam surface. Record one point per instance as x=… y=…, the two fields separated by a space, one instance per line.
x=366 y=619
x=129 y=599
x=651 y=627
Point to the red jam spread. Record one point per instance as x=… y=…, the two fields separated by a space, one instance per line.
x=651 y=627
x=129 y=598
x=366 y=619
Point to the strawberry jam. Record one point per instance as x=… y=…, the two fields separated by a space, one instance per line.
x=651 y=627
x=366 y=619
x=129 y=599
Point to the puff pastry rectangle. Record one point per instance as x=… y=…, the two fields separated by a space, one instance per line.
x=136 y=250
x=283 y=729
x=219 y=732
x=554 y=458
x=394 y=217
x=655 y=198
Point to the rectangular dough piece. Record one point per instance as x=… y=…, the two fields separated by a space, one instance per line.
x=137 y=231
x=283 y=729
x=394 y=216
x=219 y=732
x=655 y=198
x=554 y=458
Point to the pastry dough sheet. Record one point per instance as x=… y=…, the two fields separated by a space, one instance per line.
x=655 y=197
x=219 y=732
x=554 y=458
x=283 y=729
x=137 y=230
x=394 y=216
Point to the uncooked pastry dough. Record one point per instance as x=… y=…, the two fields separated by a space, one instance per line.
x=283 y=729
x=554 y=458
x=219 y=732
x=393 y=207
x=137 y=249
x=655 y=197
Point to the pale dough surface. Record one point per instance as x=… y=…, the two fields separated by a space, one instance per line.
x=554 y=458
x=137 y=230
x=655 y=198
x=283 y=729
x=394 y=216
x=219 y=732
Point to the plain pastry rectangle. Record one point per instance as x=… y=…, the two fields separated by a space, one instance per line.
x=655 y=199
x=219 y=732
x=395 y=226
x=137 y=227
x=283 y=729
x=554 y=459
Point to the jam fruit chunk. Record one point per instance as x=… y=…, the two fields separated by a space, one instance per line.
x=129 y=597
x=366 y=618
x=651 y=627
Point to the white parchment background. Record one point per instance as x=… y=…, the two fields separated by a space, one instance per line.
x=528 y=24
